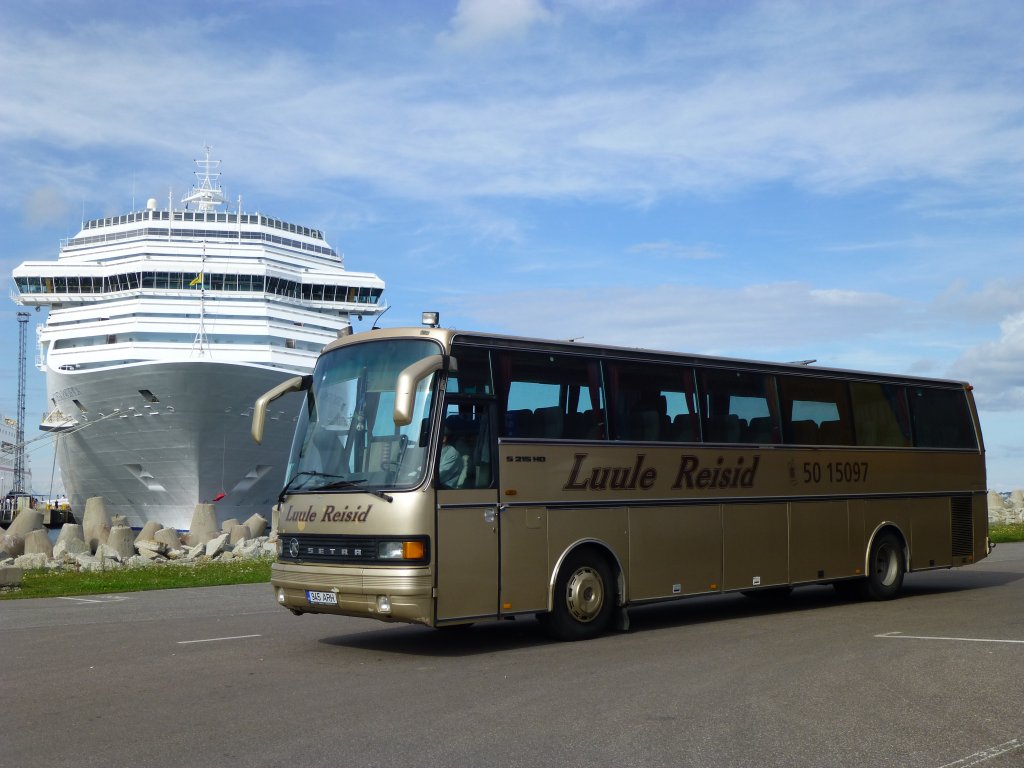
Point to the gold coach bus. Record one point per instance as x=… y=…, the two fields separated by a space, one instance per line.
x=444 y=477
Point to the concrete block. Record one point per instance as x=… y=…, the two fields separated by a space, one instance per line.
x=150 y=549
x=204 y=525
x=96 y=522
x=10 y=576
x=257 y=525
x=168 y=537
x=228 y=524
x=69 y=546
x=249 y=548
x=148 y=531
x=37 y=542
x=239 y=533
x=122 y=541
x=31 y=562
x=27 y=520
x=71 y=531
x=216 y=546
x=12 y=544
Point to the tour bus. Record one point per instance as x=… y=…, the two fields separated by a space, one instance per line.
x=445 y=477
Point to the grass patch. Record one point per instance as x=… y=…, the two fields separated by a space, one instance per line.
x=44 y=583
x=1006 y=532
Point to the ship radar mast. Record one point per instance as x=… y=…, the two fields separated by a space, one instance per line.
x=207 y=193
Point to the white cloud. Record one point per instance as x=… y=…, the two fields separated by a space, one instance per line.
x=780 y=320
x=824 y=96
x=997 y=368
x=479 y=22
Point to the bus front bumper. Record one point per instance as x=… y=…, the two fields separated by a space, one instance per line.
x=388 y=594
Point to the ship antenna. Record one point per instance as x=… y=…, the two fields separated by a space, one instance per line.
x=207 y=193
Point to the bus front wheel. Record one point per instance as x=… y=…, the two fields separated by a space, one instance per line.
x=584 y=598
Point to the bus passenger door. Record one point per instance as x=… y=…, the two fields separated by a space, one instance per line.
x=467 y=514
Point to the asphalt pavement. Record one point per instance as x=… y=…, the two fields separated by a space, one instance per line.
x=221 y=676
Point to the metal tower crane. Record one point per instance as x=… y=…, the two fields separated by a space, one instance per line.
x=19 y=455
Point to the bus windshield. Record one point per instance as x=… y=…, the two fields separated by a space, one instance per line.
x=346 y=437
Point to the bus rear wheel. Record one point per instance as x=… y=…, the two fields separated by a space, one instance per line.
x=886 y=566
x=584 y=598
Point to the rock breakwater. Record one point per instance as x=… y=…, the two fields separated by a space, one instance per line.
x=102 y=542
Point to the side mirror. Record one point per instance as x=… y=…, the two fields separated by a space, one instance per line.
x=405 y=386
x=259 y=411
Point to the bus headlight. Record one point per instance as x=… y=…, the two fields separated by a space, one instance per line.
x=402 y=550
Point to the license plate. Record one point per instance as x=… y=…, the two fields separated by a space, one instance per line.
x=321 y=598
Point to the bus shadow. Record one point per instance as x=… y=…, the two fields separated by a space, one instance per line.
x=712 y=608
x=525 y=631
x=469 y=640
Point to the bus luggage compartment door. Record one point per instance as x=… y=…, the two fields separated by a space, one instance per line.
x=467 y=555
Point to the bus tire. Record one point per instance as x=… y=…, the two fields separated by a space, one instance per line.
x=886 y=566
x=584 y=597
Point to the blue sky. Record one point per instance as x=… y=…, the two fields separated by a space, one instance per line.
x=779 y=180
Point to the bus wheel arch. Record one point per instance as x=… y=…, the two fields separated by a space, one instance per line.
x=584 y=592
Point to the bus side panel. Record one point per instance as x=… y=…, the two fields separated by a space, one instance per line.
x=756 y=545
x=820 y=542
x=865 y=517
x=930 y=542
x=607 y=525
x=674 y=551
x=524 y=560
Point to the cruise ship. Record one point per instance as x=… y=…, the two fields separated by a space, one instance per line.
x=163 y=327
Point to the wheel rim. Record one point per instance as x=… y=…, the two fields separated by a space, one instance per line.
x=584 y=594
x=887 y=564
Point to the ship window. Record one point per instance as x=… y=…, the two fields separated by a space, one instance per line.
x=149 y=396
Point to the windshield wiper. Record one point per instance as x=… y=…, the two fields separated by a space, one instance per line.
x=305 y=475
x=338 y=482
x=354 y=483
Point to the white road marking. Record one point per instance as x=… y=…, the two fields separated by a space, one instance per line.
x=986 y=754
x=111 y=599
x=216 y=639
x=901 y=636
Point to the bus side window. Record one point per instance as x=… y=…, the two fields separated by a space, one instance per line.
x=465 y=457
x=941 y=418
x=652 y=402
x=473 y=374
x=738 y=407
x=880 y=414
x=549 y=397
x=815 y=410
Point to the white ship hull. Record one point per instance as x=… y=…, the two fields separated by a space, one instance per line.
x=163 y=328
x=156 y=457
